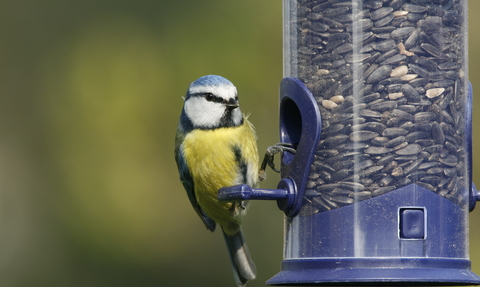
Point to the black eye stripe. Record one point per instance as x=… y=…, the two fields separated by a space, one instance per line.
x=212 y=98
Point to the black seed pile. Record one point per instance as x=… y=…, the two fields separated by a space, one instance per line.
x=389 y=79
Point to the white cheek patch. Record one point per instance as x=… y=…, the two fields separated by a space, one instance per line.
x=203 y=113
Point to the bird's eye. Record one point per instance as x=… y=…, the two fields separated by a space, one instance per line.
x=210 y=97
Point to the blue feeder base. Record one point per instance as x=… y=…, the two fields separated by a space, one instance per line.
x=411 y=236
x=376 y=272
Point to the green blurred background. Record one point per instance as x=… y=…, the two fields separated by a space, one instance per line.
x=90 y=95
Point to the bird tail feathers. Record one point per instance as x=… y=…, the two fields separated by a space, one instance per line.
x=243 y=267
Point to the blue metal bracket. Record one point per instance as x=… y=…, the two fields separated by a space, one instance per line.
x=300 y=125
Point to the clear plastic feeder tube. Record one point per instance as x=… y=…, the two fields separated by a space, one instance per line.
x=390 y=78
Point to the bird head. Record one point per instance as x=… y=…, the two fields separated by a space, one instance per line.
x=212 y=102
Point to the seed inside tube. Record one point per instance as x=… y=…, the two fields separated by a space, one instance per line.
x=399 y=71
x=329 y=104
x=400 y=13
x=408 y=77
x=338 y=99
x=394 y=96
x=432 y=93
x=390 y=84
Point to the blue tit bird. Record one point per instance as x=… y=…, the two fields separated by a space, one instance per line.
x=215 y=146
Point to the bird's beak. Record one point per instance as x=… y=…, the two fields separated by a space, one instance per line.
x=232 y=104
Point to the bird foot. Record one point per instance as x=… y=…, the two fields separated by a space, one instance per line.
x=269 y=156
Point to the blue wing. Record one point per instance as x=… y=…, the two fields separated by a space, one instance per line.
x=187 y=182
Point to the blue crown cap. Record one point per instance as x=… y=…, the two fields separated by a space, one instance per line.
x=211 y=80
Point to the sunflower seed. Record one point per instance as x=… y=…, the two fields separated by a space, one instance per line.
x=379 y=74
x=424 y=117
x=380 y=13
x=329 y=104
x=432 y=50
x=450 y=160
x=410 y=149
x=394 y=132
x=414 y=8
x=360 y=136
x=377 y=150
x=399 y=71
x=401 y=33
x=435 y=92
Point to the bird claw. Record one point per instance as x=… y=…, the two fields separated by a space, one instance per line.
x=269 y=156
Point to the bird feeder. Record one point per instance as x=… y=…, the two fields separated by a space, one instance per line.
x=377 y=102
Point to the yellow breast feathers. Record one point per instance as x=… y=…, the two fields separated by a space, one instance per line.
x=220 y=157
